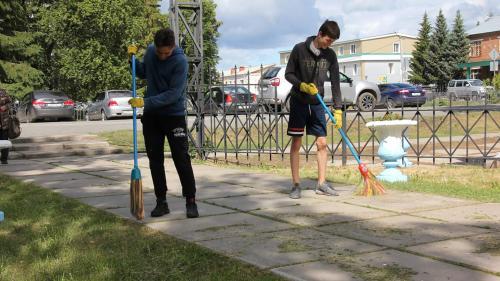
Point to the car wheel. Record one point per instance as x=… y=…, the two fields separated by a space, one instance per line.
x=366 y=101
x=390 y=104
x=103 y=116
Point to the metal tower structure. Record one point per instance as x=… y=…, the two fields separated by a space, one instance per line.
x=186 y=20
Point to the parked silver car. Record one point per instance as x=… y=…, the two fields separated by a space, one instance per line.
x=469 y=89
x=111 y=104
x=45 y=104
x=274 y=89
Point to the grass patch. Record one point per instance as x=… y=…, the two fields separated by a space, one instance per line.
x=390 y=272
x=123 y=139
x=490 y=246
x=48 y=237
x=293 y=246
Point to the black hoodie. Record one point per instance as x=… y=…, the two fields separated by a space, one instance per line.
x=304 y=66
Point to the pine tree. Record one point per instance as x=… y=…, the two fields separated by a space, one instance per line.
x=18 y=50
x=441 y=61
x=459 y=46
x=420 y=64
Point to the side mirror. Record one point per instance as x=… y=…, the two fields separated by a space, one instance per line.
x=467 y=85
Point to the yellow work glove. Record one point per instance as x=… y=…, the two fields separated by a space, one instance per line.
x=308 y=88
x=136 y=102
x=337 y=114
x=131 y=50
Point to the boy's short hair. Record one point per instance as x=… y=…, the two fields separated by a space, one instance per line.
x=330 y=28
x=164 y=38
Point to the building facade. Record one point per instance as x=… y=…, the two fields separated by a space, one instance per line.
x=484 y=38
x=244 y=76
x=380 y=59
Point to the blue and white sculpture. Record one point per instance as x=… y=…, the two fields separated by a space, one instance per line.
x=392 y=148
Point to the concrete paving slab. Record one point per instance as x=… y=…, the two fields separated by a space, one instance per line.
x=408 y=202
x=91 y=191
x=32 y=169
x=481 y=215
x=221 y=190
x=116 y=201
x=214 y=227
x=280 y=248
x=482 y=251
x=424 y=268
x=315 y=271
x=96 y=166
x=321 y=213
x=260 y=201
x=42 y=179
x=400 y=231
x=177 y=208
x=90 y=182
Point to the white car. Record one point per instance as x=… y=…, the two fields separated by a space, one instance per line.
x=274 y=89
x=111 y=104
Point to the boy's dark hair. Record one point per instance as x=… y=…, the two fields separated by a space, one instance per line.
x=164 y=38
x=330 y=28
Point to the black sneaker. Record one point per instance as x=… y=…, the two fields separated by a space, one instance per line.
x=5 y=162
x=160 y=209
x=191 y=209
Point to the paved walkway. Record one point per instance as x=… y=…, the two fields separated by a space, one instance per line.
x=249 y=216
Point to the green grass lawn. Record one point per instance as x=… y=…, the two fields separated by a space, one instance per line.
x=46 y=236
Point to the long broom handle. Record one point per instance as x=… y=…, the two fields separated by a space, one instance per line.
x=342 y=133
x=134 y=110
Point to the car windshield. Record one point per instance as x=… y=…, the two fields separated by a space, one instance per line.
x=239 y=90
x=476 y=83
x=50 y=95
x=271 y=73
x=125 y=94
x=403 y=85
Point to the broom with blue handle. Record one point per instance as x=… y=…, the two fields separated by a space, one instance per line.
x=370 y=184
x=136 y=195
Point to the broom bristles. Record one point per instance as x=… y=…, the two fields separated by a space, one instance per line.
x=371 y=186
x=136 y=199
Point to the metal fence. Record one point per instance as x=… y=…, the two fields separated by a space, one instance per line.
x=448 y=130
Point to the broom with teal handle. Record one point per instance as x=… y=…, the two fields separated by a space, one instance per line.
x=370 y=184
x=136 y=195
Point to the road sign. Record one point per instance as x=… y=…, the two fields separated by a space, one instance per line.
x=494 y=65
x=494 y=54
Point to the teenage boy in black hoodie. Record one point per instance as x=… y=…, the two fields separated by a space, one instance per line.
x=165 y=68
x=307 y=69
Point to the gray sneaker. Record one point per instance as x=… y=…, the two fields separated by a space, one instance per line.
x=326 y=189
x=295 y=193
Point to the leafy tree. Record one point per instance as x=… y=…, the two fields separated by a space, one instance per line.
x=459 y=46
x=18 y=49
x=210 y=35
x=420 y=62
x=85 y=42
x=440 y=54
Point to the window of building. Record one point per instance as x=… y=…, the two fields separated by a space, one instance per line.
x=355 y=69
x=475 y=49
x=395 y=48
x=391 y=68
x=341 y=50
x=353 y=49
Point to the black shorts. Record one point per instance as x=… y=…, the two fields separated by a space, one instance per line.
x=311 y=116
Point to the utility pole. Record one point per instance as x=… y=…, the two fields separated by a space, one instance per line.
x=186 y=20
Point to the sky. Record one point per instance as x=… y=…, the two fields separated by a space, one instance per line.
x=253 y=32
